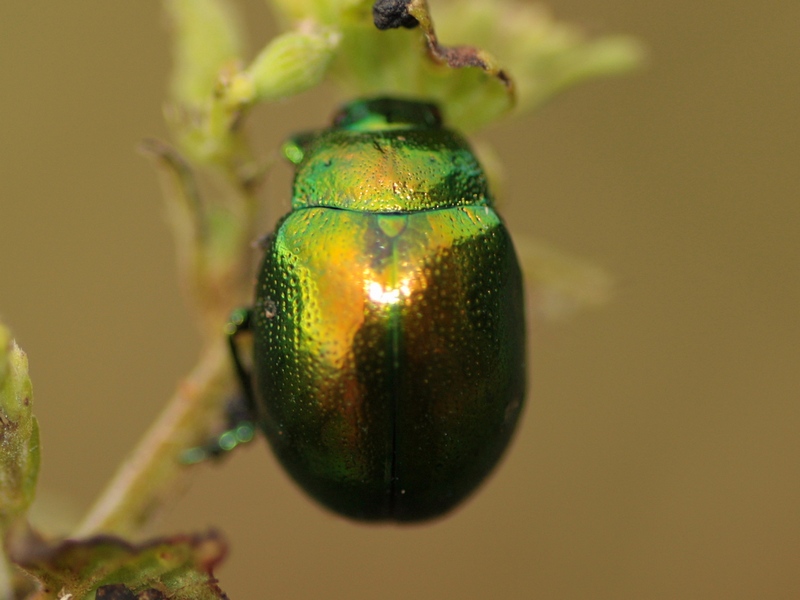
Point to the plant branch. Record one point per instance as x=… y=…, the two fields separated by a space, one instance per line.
x=154 y=470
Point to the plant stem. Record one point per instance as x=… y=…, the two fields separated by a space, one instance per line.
x=153 y=471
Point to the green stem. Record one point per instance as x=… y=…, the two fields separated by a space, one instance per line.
x=214 y=266
x=154 y=470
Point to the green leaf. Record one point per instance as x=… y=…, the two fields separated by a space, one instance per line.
x=558 y=284
x=467 y=82
x=291 y=63
x=544 y=56
x=178 y=567
x=19 y=434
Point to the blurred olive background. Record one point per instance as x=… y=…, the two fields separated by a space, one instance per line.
x=659 y=456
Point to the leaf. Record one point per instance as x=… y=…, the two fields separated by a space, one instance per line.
x=559 y=284
x=466 y=81
x=19 y=434
x=291 y=63
x=178 y=567
x=544 y=55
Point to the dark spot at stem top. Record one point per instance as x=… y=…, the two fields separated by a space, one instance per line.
x=392 y=14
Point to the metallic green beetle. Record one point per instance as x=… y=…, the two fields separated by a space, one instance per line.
x=389 y=331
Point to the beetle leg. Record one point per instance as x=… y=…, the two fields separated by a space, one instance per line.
x=240 y=430
x=239 y=411
x=238 y=323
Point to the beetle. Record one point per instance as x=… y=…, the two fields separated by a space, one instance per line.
x=388 y=360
